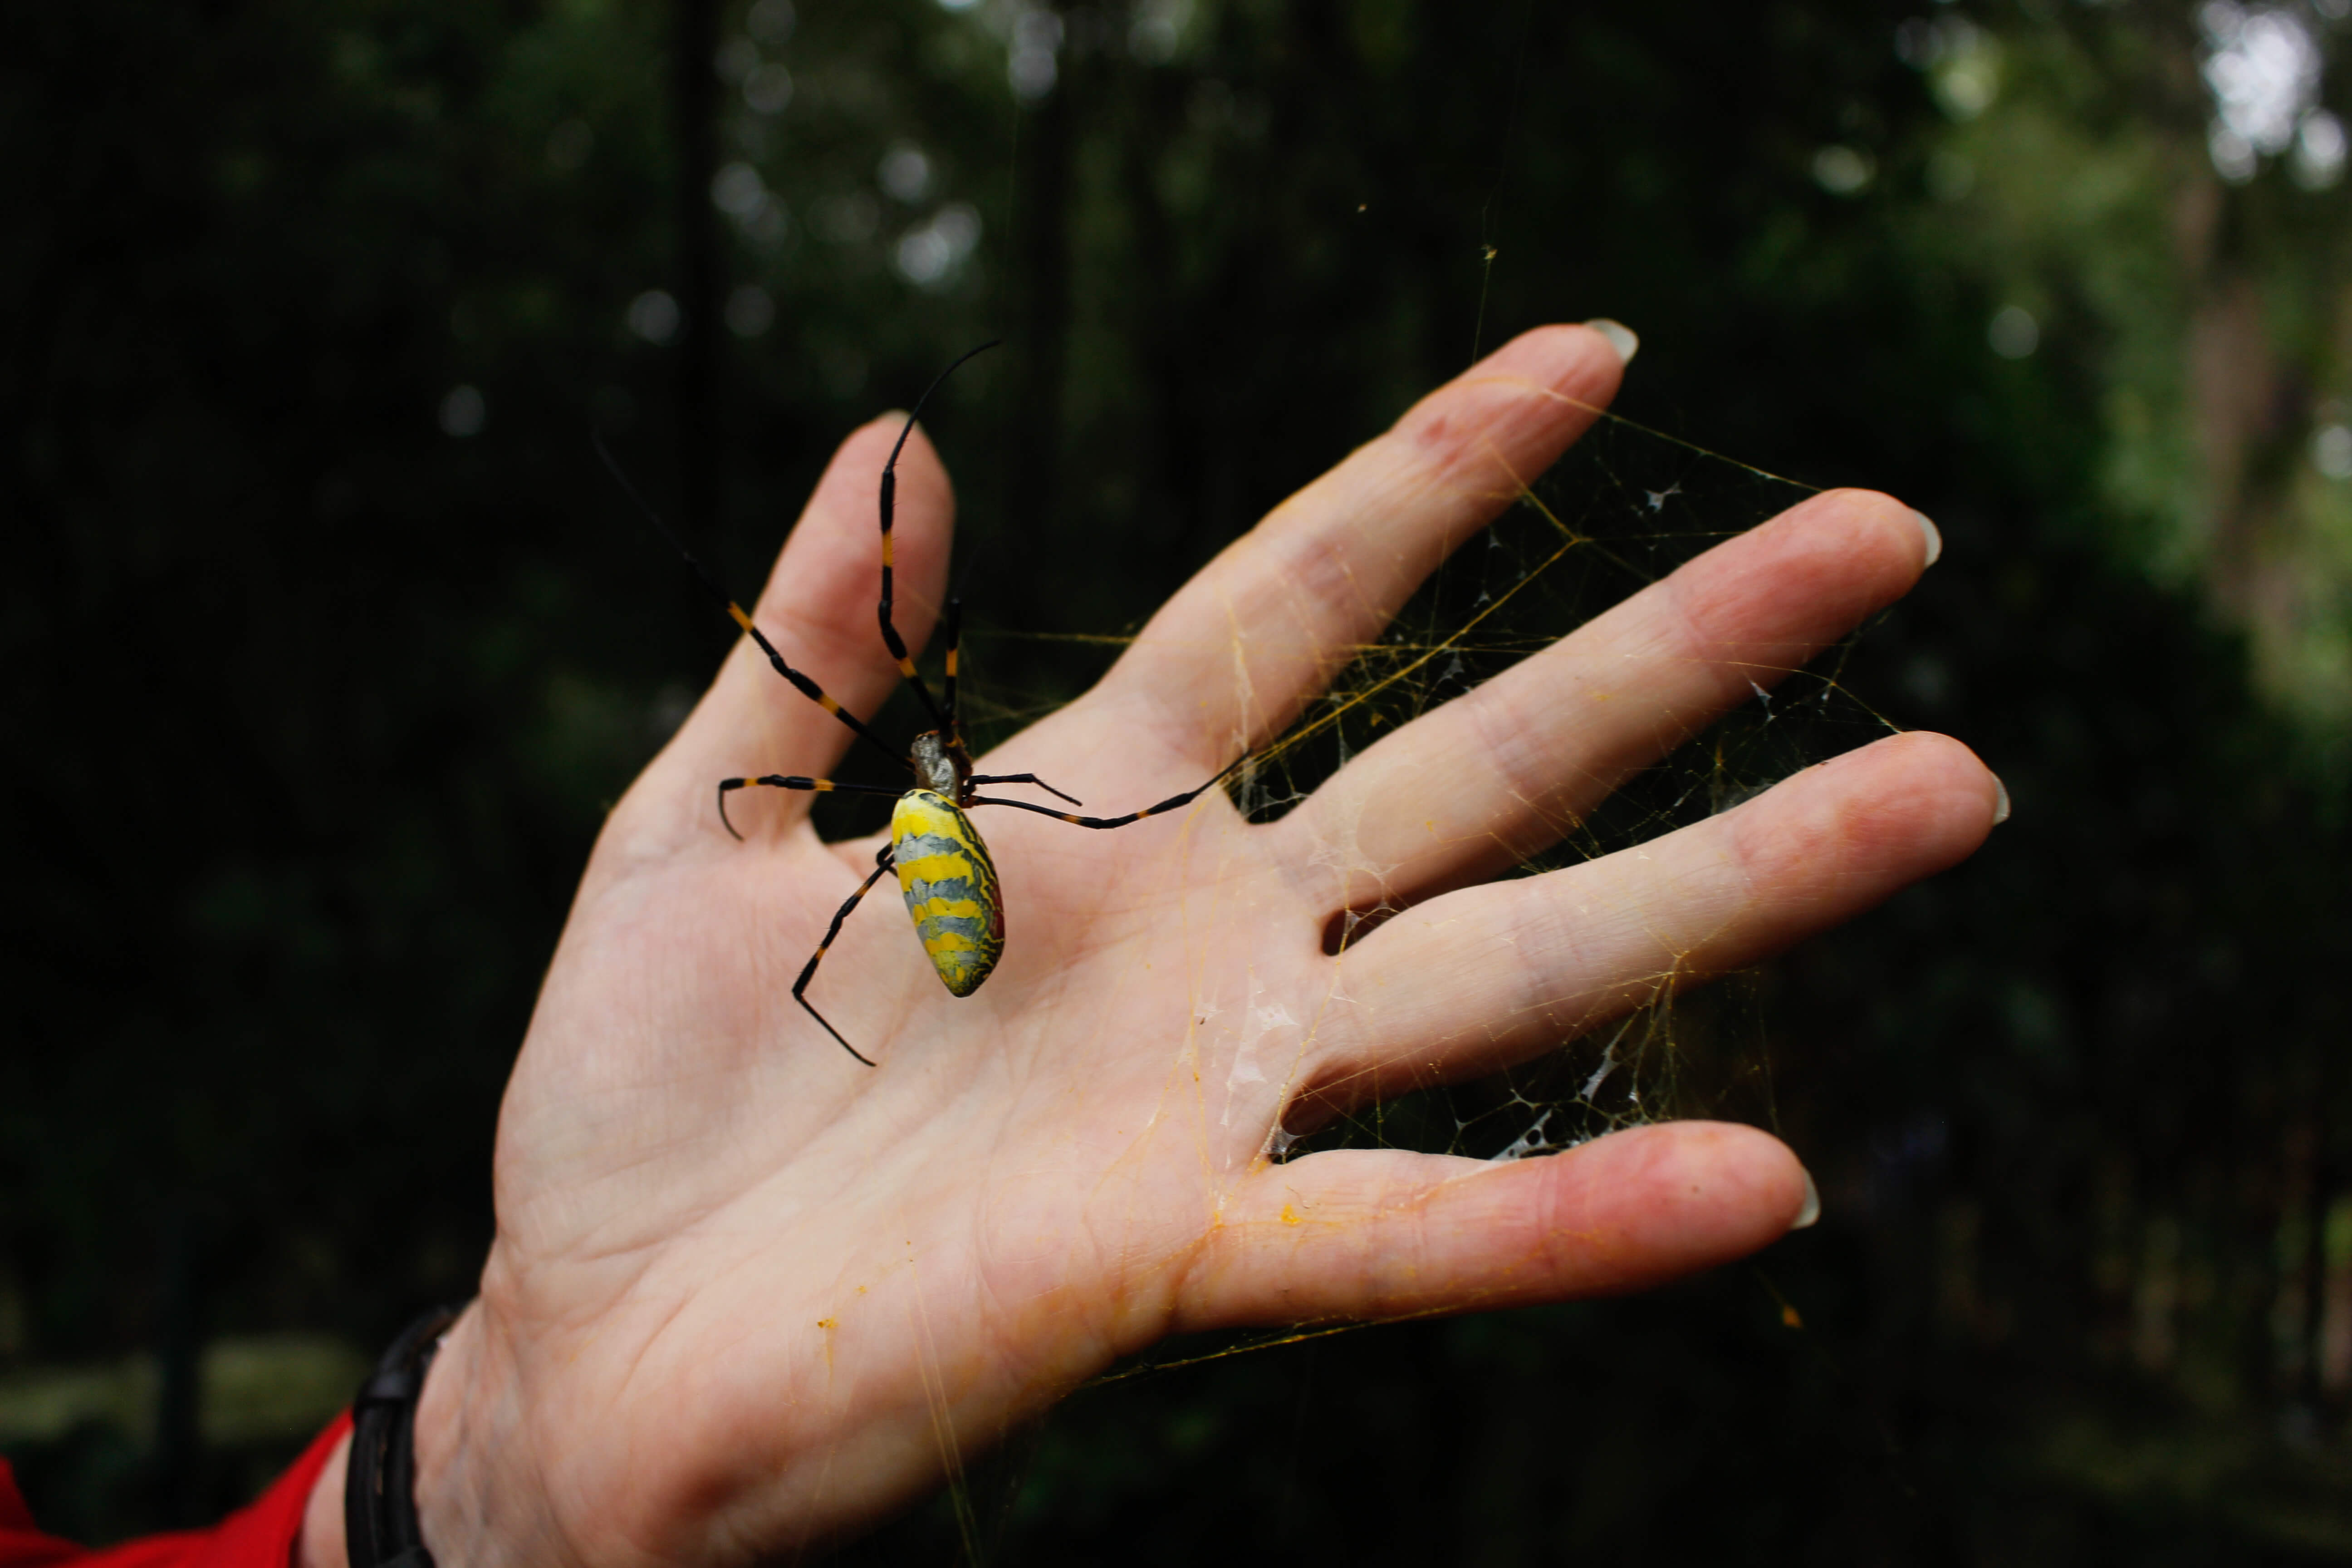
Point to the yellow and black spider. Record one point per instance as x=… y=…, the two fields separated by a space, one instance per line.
x=944 y=869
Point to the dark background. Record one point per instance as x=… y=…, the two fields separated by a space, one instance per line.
x=326 y=644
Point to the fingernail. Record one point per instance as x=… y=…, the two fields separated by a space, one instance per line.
x=1999 y=803
x=1621 y=337
x=1935 y=539
x=1811 y=1212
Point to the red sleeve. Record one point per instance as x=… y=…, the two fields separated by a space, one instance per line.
x=259 y=1535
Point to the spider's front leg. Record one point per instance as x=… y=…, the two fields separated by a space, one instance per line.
x=977 y=779
x=794 y=781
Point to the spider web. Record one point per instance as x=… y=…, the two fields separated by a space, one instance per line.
x=1627 y=506
x=1623 y=509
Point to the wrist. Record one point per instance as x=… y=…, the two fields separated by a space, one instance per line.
x=456 y=1495
x=388 y=1431
x=471 y=1507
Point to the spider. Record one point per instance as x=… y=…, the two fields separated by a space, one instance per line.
x=944 y=871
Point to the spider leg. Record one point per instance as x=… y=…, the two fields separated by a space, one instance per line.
x=808 y=688
x=890 y=638
x=954 y=641
x=808 y=970
x=794 y=781
x=801 y=682
x=948 y=682
x=1024 y=778
x=1171 y=803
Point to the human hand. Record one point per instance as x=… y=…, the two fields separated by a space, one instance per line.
x=747 y=1295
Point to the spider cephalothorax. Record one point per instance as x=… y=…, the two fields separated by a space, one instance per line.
x=939 y=768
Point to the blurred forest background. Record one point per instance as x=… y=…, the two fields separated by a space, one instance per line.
x=326 y=643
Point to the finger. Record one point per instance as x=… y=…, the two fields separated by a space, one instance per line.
x=1372 y=1234
x=818 y=610
x=1489 y=976
x=1235 y=655
x=1503 y=773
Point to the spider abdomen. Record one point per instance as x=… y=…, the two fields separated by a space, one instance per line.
x=949 y=885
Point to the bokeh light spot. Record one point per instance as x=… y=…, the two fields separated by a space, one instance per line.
x=768 y=90
x=2331 y=451
x=1031 y=64
x=2262 y=67
x=929 y=254
x=1843 y=170
x=2013 y=333
x=654 y=316
x=737 y=190
x=1963 y=67
x=2318 y=160
x=464 y=412
x=1158 y=28
x=906 y=173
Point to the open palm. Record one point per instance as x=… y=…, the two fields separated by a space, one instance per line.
x=748 y=1294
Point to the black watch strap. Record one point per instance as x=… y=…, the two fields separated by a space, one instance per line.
x=380 y=1527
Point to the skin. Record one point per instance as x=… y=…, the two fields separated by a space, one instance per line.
x=746 y=1296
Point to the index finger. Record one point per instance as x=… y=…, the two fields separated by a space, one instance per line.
x=1248 y=642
